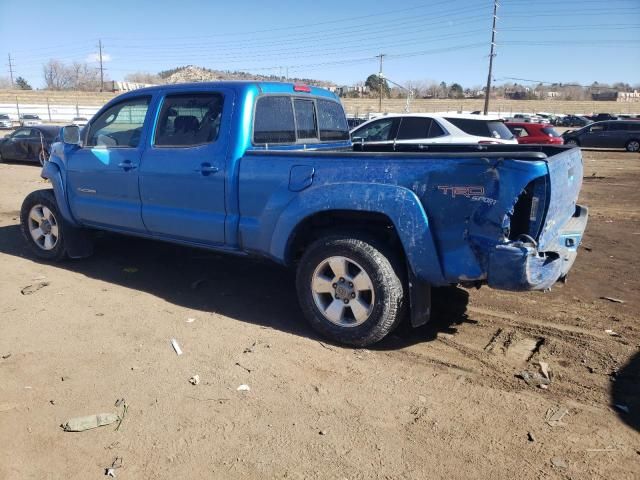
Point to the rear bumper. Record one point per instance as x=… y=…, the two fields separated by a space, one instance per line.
x=520 y=266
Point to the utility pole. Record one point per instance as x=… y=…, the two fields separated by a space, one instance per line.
x=381 y=79
x=487 y=93
x=101 y=67
x=10 y=70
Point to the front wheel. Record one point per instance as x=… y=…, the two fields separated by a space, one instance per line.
x=633 y=146
x=42 y=225
x=350 y=289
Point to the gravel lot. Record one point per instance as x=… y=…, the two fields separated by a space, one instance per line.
x=443 y=401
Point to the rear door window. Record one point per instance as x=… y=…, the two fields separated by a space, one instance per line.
x=412 y=128
x=189 y=119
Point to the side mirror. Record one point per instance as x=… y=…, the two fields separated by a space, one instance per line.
x=71 y=135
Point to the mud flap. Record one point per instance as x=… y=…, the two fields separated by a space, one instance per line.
x=78 y=241
x=419 y=300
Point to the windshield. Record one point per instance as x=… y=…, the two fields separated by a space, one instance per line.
x=30 y=117
x=4 y=117
x=482 y=128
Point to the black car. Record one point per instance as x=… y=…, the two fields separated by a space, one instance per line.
x=575 y=121
x=31 y=144
x=602 y=117
x=611 y=134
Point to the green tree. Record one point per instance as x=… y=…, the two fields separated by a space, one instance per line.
x=374 y=82
x=22 y=84
x=455 y=91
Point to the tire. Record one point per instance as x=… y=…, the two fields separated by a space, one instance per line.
x=572 y=142
x=633 y=146
x=366 y=313
x=42 y=225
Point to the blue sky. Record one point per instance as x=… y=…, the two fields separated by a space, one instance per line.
x=567 y=41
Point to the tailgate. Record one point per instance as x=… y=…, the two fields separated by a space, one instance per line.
x=565 y=180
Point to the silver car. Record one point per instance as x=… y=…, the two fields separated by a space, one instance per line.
x=29 y=120
x=5 y=121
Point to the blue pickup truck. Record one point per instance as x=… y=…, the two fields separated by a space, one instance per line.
x=268 y=169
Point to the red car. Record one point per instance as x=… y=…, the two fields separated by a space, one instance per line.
x=535 y=133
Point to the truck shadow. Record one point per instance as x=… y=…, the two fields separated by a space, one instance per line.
x=249 y=290
x=625 y=392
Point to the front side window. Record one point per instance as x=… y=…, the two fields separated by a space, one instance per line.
x=120 y=125
x=273 y=122
x=598 y=128
x=378 y=131
x=332 y=121
x=22 y=133
x=189 y=119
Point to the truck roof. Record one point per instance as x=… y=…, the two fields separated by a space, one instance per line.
x=240 y=86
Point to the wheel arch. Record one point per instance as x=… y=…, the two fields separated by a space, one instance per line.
x=51 y=171
x=395 y=211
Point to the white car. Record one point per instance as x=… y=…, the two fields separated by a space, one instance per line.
x=426 y=128
x=79 y=121
x=5 y=121
x=29 y=120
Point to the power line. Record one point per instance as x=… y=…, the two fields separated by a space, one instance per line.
x=487 y=93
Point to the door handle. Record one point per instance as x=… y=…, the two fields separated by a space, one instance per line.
x=127 y=165
x=206 y=169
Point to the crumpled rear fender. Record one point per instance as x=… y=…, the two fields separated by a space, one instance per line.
x=399 y=204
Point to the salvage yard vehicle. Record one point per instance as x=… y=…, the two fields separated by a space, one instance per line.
x=266 y=169
x=541 y=133
x=613 y=134
x=29 y=144
x=5 y=121
x=425 y=128
x=29 y=120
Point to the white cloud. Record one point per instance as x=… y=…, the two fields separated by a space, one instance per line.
x=94 y=57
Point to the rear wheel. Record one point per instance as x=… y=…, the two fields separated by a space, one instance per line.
x=42 y=225
x=572 y=142
x=633 y=146
x=351 y=289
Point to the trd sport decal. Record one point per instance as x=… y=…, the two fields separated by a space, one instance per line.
x=473 y=192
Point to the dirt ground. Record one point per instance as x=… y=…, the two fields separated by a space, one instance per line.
x=443 y=401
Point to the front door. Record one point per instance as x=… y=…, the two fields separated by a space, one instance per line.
x=103 y=175
x=182 y=176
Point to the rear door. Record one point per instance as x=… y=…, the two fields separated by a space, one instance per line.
x=102 y=176
x=182 y=177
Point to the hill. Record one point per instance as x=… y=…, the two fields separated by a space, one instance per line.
x=192 y=73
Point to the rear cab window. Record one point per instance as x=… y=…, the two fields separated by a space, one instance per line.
x=287 y=119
